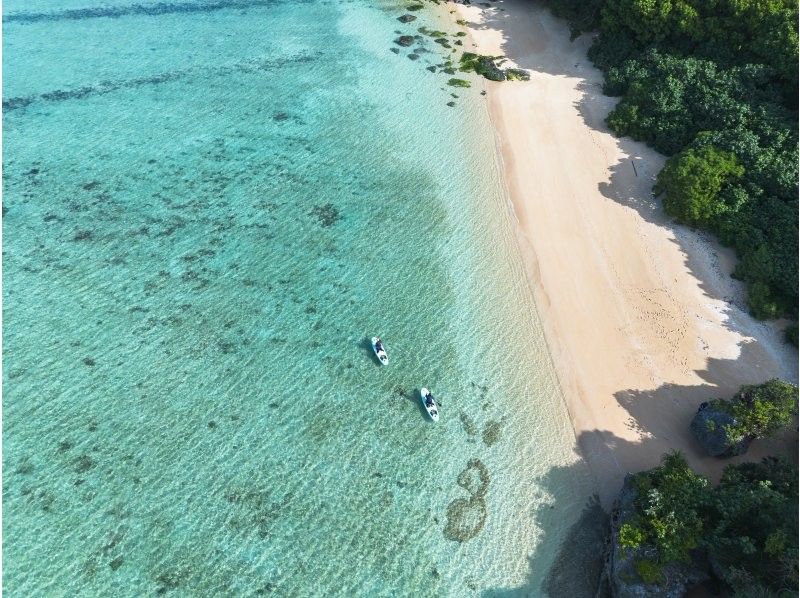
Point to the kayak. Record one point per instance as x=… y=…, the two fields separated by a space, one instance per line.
x=380 y=350
x=429 y=403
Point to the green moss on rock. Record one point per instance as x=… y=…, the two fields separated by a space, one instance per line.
x=482 y=65
x=458 y=82
x=517 y=75
x=649 y=571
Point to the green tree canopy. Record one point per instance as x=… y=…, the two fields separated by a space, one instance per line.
x=747 y=525
x=670 y=502
x=752 y=530
x=718 y=73
x=764 y=409
x=691 y=183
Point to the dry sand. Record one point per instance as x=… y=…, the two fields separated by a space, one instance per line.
x=641 y=316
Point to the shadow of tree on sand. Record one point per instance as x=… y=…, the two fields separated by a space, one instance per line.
x=575 y=567
x=658 y=418
x=548 y=49
x=577 y=563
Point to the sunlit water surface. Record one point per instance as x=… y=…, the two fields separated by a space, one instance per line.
x=209 y=207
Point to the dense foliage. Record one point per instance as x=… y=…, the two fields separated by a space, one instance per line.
x=752 y=526
x=670 y=502
x=713 y=83
x=747 y=525
x=761 y=410
x=692 y=182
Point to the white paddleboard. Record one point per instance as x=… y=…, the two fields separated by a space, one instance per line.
x=433 y=409
x=379 y=353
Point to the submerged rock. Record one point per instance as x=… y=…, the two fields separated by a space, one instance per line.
x=406 y=18
x=116 y=563
x=491 y=433
x=458 y=83
x=405 y=40
x=327 y=214
x=474 y=479
x=712 y=427
x=467 y=516
x=465 y=519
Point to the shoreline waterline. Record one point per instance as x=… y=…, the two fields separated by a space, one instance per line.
x=641 y=316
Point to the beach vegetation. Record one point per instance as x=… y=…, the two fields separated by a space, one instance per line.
x=649 y=571
x=746 y=526
x=761 y=410
x=751 y=535
x=723 y=75
x=631 y=536
x=517 y=75
x=432 y=32
x=670 y=508
x=582 y=15
x=691 y=183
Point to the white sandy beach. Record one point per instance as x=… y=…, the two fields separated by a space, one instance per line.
x=641 y=316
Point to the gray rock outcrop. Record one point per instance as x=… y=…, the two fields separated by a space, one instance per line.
x=712 y=427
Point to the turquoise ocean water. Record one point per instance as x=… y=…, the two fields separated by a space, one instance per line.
x=209 y=207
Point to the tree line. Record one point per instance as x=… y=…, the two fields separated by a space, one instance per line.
x=713 y=84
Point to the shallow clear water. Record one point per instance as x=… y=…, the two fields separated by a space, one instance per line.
x=209 y=207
